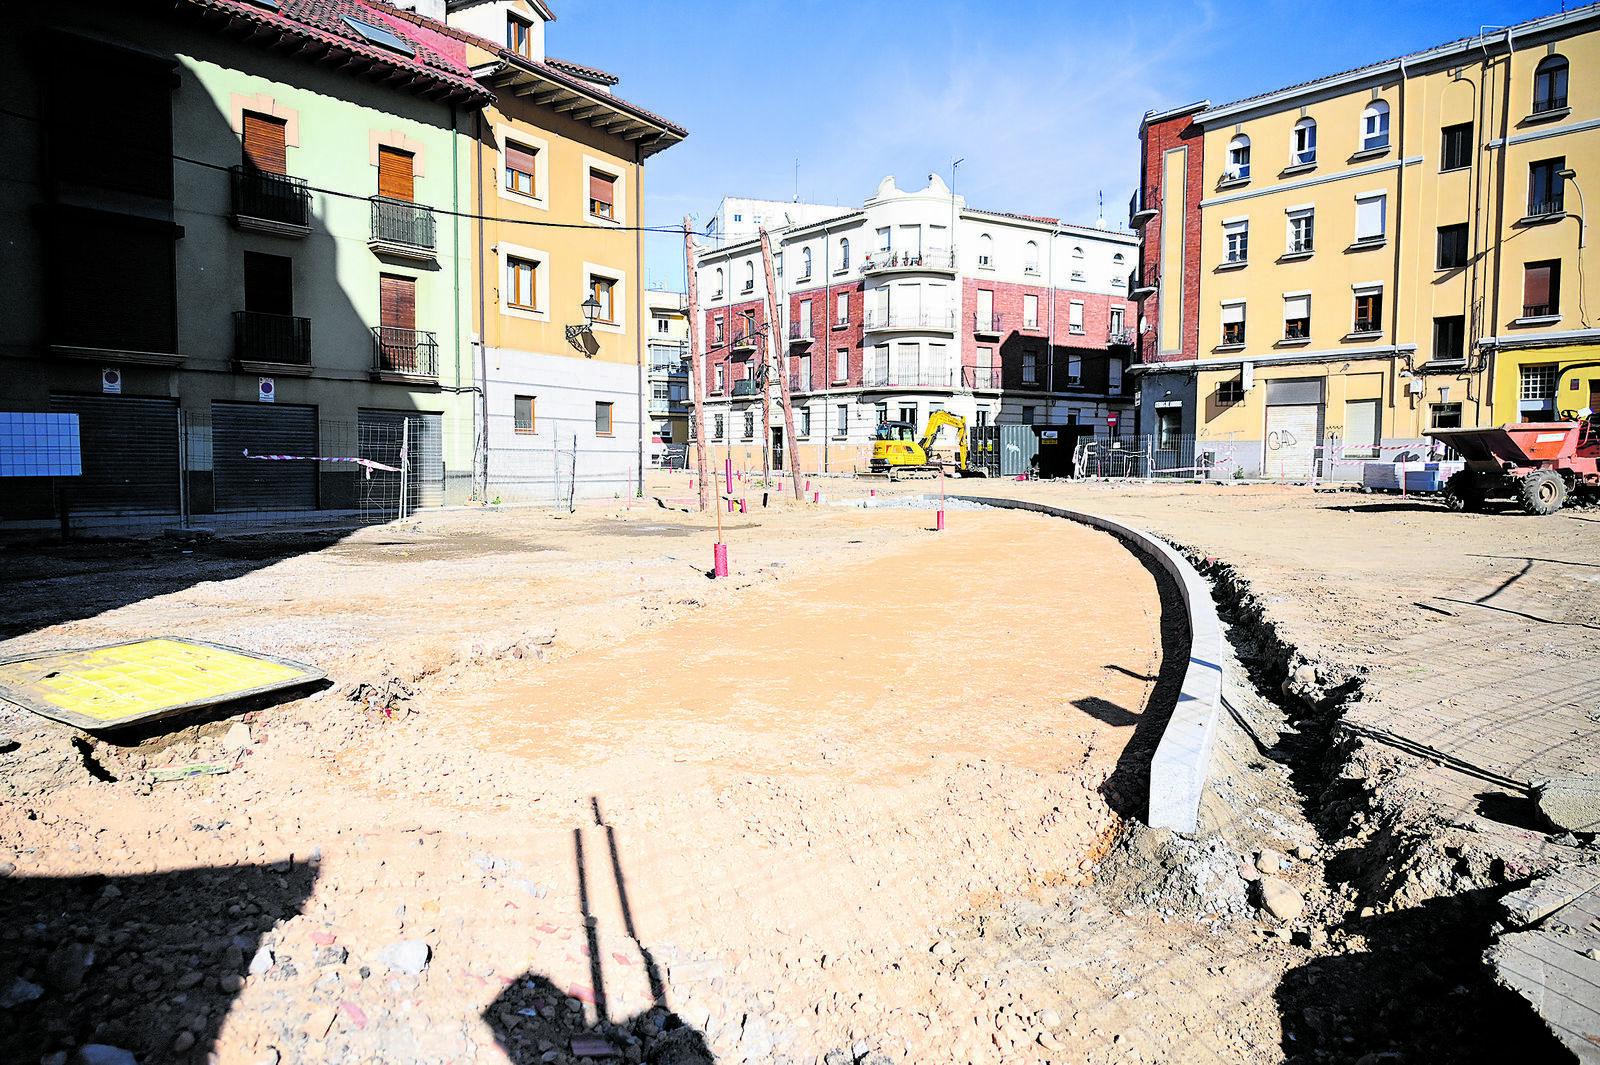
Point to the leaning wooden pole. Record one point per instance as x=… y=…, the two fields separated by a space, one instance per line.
x=697 y=369
x=775 y=342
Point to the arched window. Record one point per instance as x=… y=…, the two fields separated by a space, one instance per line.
x=1239 y=158
x=750 y=276
x=985 y=250
x=805 y=263
x=844 y=253
x=1550 y=84
x=718 y=290
x=1303 y=143
x=1375 y=126
x=1030 y=257
x=1117 y=258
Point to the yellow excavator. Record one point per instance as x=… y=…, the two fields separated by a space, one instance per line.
x=898 y=451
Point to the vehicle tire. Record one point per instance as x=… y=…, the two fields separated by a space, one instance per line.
x=1465 y=491
x=1542 y=492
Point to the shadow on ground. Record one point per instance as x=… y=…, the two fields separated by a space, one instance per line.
x=146 y=963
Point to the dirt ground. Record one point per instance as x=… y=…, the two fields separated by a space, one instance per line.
x=852 y=804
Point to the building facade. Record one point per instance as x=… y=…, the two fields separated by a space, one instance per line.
x=667 y=358
x=1329 y=270
x=910 y=304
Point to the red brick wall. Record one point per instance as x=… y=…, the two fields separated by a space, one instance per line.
x=722 y=354
x=827 y=338
x=1159 y=138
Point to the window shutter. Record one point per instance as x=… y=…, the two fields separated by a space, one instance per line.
x=519 y=158
x=397 y=302
x=395 y=174
x=601 y=186
x=1297 y=307
x=1232 y=314
x=264 y=143
x=1369 y=217
x=1536 y=286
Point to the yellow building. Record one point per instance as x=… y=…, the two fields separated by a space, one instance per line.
x=1365 y=256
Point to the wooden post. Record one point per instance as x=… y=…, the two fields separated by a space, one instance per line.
x=778 y=347
x=697 y=371
x=782 y=360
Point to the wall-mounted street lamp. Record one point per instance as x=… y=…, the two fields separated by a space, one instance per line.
x=581 y=337
x=1583 y=223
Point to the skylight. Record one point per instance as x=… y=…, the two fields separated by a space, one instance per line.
x=378 y=35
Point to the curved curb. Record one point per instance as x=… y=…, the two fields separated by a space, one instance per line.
x=1178 y=769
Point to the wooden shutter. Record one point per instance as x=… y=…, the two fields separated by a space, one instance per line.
x=397 y=302
x=264 y=140
x=395 y=174
x=600 y=187
x=520 y=158
x=1536 y=286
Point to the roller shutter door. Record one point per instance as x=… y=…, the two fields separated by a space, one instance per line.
x=263 y=429
x=1292 y=436
x=130 y=454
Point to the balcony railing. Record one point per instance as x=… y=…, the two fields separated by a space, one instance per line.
x=1548 y=103
x=988 y=323
x=409 y=352
x=939 y=259
x=980 y=377
x=1553 y=205
x=1142 y=284
x=746 y=387
x=259 y=196
x=797 y=331
x=907 y=377
x=279 y=338
x=799 y=383
x=401 y=227
x=1538 y=310
x=1120 y=338
x=745 y=342
x=1142 y=206
x=943 y=321
x=1366 y=325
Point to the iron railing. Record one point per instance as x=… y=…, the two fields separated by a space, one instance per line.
x=944 y=321
x=1537 y=310
x=402 y=223
x=1142 y=205
x=1367 y=325
x=988 y=323
x=799 y=383
x=413 y=352
x=907 y=377
x=1120 y=337
x=799 y=332
x=746 y=387
x=933 y=259
x=987 y=377
x=280 y=338
x=1296 y=329
x=272 y=197
x=1141 y=284
x=1548 y=103
x=1553 y=205
x=744 y=340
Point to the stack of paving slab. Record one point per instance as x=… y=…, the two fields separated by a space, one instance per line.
x=1419 y=477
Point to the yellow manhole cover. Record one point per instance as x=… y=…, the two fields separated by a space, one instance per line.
x=122 y=683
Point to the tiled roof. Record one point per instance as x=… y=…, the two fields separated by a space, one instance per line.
x=587 y=73
x=439 y=65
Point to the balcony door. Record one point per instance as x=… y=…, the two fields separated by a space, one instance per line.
x=268 y=284
x=985 y=309
x=265 y=144
x=397 y=320
x=396 y=175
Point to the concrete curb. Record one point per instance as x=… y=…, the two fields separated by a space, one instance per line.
x=1178 y=770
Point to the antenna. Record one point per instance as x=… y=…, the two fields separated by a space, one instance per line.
x=797 y=179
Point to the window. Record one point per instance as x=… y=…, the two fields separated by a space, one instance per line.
x=908 y=413
x=1448 y=334
x=985 y=251
x=805 y=421
x=265 y=143
x=1238 y=159
x=1027 y=415
x=1077 y=275
x=803 y=371
x=397 y=324
x=841 y=365
x=1369 y=312
x=1301 y=226
x=1114 y=326
x=1303 y=143
x=749 y=277
x=662 y=324
x=844 y=254
x=1236 y=239
x=1375 y=126
x=396 y=173
x=841 y=308
x=381 y=36
x=1077 y=251
x=1030 y=368
x=718 y=427
x=1452 y=246
x=1550 y=84
x=1537 y=397
x=805 y=318
x=1074 y=368
x=716 y=292
x=1114 y=375
x=882 y=410
x=602 y=418
x=841 y=420
x=884 y=240
x=602 y=194
x=1297 y=317
x=1456 y=151
x=1444 y=415
x=1075 y=317
x=749 y=424
x=522 y=414
x=805 y=264
x=1371 y=217
x=1361 y=428
x=716 y=330
x=601 y=288
x=1545 y=186
x=1169 y=424
x=748 y=332
x=777 y=263
x=1233 y=323
x=721 y=371
x=1541 y=289
x=1030 y=311
x=519 y=36
x=1030 y=257
x=1231 y=391
x=522 y=283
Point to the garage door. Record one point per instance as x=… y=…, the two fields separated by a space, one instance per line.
x=1292 y=436
x=130 y=454
x=263 y=429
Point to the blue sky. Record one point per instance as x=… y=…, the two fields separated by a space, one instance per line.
x=1043 y=100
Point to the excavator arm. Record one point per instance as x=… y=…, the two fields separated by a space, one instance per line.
x=938 y=420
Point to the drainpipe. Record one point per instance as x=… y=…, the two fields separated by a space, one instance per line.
x=1050 y=333
x=1492 y=279
x=638 y=301
x=483 y=336
x=1399 y=196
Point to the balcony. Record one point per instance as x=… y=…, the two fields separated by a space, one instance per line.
x=895 y=321
x=983 y=377
x=746 y=387
x=935 y=260
x=745 y=342
x=907 y=377
x=271 y=203
x=1145 y=283
x=1540 y=208
x=1120 y=338
x=401 y=228
x=800 y=333
x=1143 y=205
x=404 y=354
x=799 y=383
x=988 y=324
x=272 y=343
